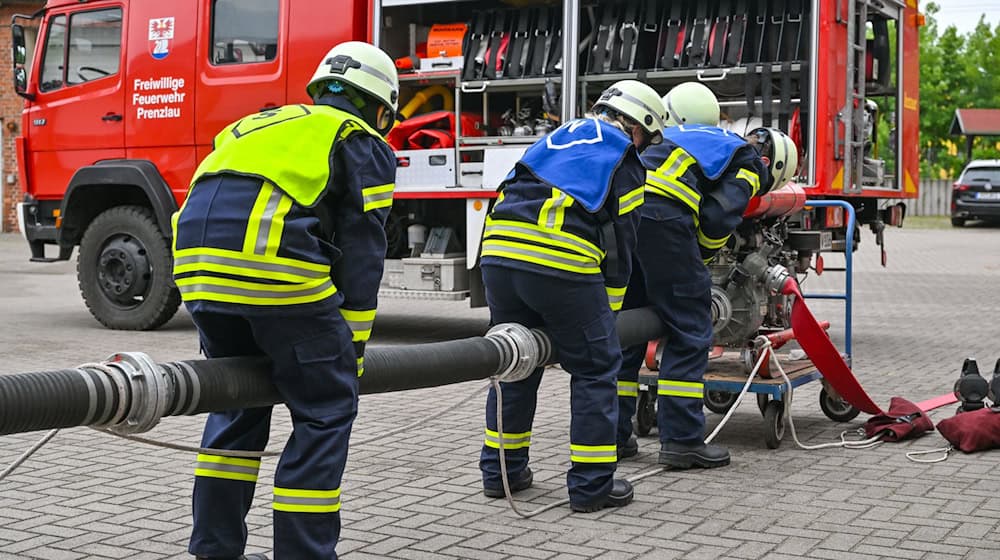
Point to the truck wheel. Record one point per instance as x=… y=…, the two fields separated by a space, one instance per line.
x=125 y=272
x=958 y=222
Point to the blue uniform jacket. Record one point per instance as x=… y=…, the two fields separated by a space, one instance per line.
x=717 y=197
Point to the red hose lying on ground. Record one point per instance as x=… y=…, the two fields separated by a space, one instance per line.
x=820 y=349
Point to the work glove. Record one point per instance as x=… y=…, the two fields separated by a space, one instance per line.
x=359 y=352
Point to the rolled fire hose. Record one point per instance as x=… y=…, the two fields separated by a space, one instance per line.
x=129 y=393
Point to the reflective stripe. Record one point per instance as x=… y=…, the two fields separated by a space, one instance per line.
x=688 y=389
x=593 y=453
x=631 y=200
x=360 y=323
x=306 y=501
x=230 y=468
x=616 y=297
x=234 y=262
x=361 y=366
x=553 y=212
x=555 y=238
x=378 y=196
x=213 y=288
x=664 y=180
x=750 y=177
x=510 y=441
x=540 y=256
x=628 y=389
x=711 y=242
x=672 y=188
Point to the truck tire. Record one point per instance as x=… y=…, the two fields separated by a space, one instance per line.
x=958 y=222
x=125 y=270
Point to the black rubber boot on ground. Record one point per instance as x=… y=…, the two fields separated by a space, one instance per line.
x=254 y=556
x=703 y=455
x=521 y=482
x=621 y=494
x=628 y=449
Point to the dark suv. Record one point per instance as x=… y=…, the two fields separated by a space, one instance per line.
x=976 y=194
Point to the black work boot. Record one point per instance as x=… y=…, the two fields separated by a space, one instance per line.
x=521 y=482
x=255 y=556
x=686 y=456
x=628 y=449
x=621 y=494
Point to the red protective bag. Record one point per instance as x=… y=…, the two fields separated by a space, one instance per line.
x=400 y=135
x=903 y=420
x=978 y=430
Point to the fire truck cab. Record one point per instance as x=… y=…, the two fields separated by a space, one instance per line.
x=122 y=100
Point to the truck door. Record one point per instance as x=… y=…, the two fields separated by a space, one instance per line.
x=77 y=116
x=242 y=55
x=160 y=88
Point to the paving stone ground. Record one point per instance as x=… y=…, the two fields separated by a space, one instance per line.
x=417 y=495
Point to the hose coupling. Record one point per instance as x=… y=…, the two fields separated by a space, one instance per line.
x=148 y=392
x=519 y=349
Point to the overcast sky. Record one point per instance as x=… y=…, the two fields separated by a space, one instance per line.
x=964 y=14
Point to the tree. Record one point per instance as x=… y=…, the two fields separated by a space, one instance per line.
x=956 y=72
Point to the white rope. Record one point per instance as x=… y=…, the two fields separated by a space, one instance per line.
x=787 y=415
x=913 y=455
x=24 y=456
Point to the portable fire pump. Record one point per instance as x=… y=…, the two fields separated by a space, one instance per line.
x=123 y=98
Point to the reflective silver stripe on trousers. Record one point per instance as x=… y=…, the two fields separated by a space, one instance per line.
x=252 y=265
x=225 y=467
x=507 y=440
x=501 y=229
x=578 y=453
x=295 y=500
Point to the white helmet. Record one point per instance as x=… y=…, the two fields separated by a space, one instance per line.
x=364 y=67
x=691 y=103
x=779 y=153
x=638 y=102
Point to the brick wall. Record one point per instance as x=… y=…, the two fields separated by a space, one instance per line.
x=10 y=115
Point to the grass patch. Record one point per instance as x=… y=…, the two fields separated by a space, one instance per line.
x=927 y=222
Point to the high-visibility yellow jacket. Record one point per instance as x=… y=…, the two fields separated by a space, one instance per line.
x=288 y=210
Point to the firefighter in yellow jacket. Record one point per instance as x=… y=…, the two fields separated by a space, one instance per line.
x=278 y=252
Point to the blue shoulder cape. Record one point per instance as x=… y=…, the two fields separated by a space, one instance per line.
x=579 y=158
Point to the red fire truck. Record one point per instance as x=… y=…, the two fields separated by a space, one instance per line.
x=122 y=100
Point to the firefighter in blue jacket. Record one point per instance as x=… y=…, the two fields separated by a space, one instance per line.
x=556 y=254
x=278 y=252
x=698 y=184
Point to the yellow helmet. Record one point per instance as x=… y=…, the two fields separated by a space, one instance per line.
x=779 y=153
x=691 y=103
x=364 y=67
x=638 y=102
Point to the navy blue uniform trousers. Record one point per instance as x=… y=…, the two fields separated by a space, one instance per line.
x=669 y=275
x=581 y=325
x=316 y=373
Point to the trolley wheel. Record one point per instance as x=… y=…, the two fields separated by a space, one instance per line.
x=645 y=414
x=720 y=402
x=762 y=400
x=774 y=424
x=835 y=408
